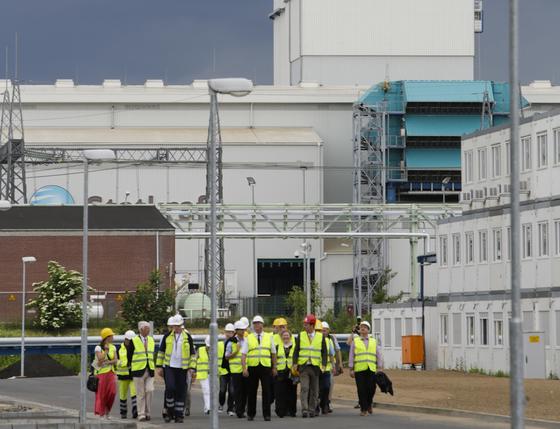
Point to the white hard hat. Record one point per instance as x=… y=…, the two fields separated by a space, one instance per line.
x=258 y=319
x=365 y=322
x=229 y=327
x=129 y=335
x=245 y=321
x=325 y=325
x=239 y=325
x=207 y=340
x=176 y=320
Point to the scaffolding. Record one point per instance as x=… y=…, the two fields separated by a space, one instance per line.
x=368 y=188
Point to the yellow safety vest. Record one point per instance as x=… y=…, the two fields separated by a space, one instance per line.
x=310 y=351
x=235 y=362
x=221 y=351
x=259 y=353
x=328 y=368
x=110 y=356
x=123 y=366
x=165 y=359
x=284 y=361
x=365 y=358
x=202 y=364
x=141 y=357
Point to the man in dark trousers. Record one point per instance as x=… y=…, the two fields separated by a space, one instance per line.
x=258 y=358
x=173 y=360
x=233 y=355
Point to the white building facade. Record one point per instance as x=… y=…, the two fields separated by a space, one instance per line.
x=360 y=42
x=473 y=273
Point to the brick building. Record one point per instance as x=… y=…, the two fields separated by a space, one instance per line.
x=126 y=242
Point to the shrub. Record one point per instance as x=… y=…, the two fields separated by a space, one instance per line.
x=54 y=304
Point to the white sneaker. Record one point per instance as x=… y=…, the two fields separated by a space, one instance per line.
x=206 y=412
x=108 y=417
x=231 y=413
x=220 y=409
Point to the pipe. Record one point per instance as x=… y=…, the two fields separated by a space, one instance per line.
x=308 y=235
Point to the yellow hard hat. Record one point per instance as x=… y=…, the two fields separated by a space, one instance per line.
x=318 y=325
x=280 y=321
x=106 y=332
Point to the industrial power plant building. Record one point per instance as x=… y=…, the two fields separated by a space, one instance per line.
x=296 y=141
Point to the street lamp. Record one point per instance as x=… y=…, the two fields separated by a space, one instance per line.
x=252 y=182
x=24 y=260
x=238 y=88
x=90 y=155
x=427 y=259
x=306 y=253
x=444 y=183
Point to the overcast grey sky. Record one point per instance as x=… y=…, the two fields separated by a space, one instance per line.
x=175 y=40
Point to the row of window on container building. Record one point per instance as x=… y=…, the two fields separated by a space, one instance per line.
x=383 y=330
x=494 y=244
x=489 y=328
x=500 y=160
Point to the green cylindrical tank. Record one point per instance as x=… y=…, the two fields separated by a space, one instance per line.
x=197 y=306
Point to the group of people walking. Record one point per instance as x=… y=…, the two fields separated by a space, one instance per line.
x=247 y=358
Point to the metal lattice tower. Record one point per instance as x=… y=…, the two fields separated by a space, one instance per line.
x=219 y=257
x=369 y=188
x=12 y=148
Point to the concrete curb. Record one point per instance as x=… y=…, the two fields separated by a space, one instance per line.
x=456 y=413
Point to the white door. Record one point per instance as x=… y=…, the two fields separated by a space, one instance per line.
x=534 y=351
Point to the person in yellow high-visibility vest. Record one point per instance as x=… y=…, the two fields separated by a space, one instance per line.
x=364 y=360
x=233 y=356
x=284 y=386
x=143 y=369
x=258 y=358
x=202 y=369
x=173 y=360
x=105 y=360
x=226 y=385
x=310 y=358
x=126 y=384
x=326 y=375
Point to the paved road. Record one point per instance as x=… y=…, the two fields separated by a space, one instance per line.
x=64 y=392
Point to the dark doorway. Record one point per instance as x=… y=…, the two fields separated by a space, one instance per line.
x=278 y=276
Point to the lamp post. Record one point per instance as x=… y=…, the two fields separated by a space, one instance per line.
x=444 y=183
x=306 y=253
x=427 y=259
x=238 y=88
x=24 y=260
x=252 y=182
x=90 y=155
x=517 y=388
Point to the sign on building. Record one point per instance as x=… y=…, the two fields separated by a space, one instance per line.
x=478 y=16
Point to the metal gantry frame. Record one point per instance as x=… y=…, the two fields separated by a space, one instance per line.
x=12 y=148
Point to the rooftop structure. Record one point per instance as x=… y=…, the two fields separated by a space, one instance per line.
x=363 y=41
x=416 y=127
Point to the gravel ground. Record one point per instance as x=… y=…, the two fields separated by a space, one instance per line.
x=456 y=390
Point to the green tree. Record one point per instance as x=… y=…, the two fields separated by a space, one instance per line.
x=148 y=304
x=54 y=304
x=381 y=292
x=296 y=301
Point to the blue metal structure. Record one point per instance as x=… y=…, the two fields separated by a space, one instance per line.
x=421 y=123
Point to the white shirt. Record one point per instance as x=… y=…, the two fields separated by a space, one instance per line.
x=245 y=344
x=176 y=360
